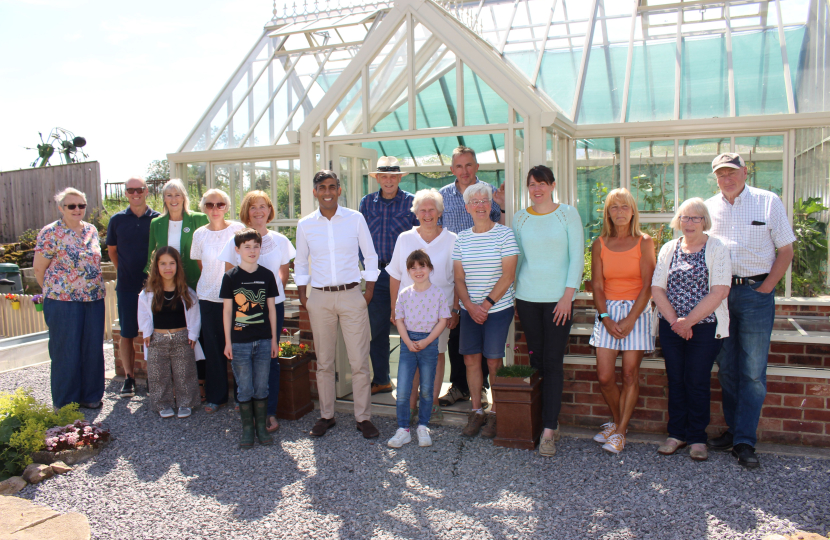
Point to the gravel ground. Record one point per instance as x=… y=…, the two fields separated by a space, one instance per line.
x=185 y=479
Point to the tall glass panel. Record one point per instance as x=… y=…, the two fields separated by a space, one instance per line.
x=651 y=90
x=519 y=185
x=225 y=176
x=388 y=109
x=764 y=158
x=811 y=212
x=347 y=117
x=482 y=105
x=597 y=173
x=696 y=155
x=604 y=79
x=436 y=104
x=288 y=192
x=759 y=73
x=651 y=165
x=704 y=83
x=196 y=181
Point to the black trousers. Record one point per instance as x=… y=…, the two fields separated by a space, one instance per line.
x=458 y=371
x=546 y=343
x=213 y=343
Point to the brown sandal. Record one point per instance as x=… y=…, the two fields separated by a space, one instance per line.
x=269 y=425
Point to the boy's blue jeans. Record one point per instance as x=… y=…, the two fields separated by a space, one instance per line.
x=251 y=366
x=425 y=361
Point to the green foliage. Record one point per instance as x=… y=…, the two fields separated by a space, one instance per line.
x=28 y=237
x=599 y=192
x=586 y=271
x=159 y=170
x=654 y=191
x=23 y=425
x=809 y=275
x=521 y=372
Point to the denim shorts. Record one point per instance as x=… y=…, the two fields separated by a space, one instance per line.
x=489 y=338
x=128 y=313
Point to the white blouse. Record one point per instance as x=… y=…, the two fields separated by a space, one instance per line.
x=206 y=247
x=276 y=251
x=440 y=254
x=174 y=234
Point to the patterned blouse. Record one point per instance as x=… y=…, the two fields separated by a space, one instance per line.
x=688 y=282
x=74 y=274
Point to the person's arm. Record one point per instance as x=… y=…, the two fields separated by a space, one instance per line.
x=598 y=286
x=508 y=275
x=779 y=268
x=196 y=249
x=647 y=264
x=401 y=325
x=433 y=335
x=275 y=337
x=40 y=265
x=151 y=246
x=145 y=317
x=301 y=276
x=284 y=275
x=478 y=313
x=683 y=325
x=194 y=320
x=576 y=258
x=227 y=321
x=113 y=253
x=370 y=258
x=394 y=288
x=498 y=199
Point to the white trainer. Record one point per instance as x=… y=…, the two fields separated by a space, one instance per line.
x=607 y=429
x=401 y=438
x=167 y=413
x=423 y=436
x=184 y=412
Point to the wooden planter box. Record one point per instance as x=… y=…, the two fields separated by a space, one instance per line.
x=295 y=388
x=519 y=406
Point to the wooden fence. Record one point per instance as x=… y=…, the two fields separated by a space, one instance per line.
x=26 y=195
x=27 y=320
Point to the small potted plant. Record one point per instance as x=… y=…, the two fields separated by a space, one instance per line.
x=15 y=300
x=37 y=300
x=72 y=443
x=295 y=385
x=517 y=391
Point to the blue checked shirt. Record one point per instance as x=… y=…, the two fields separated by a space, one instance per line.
x=387 y=219
x=456 y=218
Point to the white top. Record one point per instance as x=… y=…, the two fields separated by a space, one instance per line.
x=440 y=253
x=481 y=256
x=752 y=228
x=720 y=273
x=193 y=317
x=332 y=246
x=276 y=251
x=206 y=247
x=174 y=234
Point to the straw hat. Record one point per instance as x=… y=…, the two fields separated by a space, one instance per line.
x=388 y=165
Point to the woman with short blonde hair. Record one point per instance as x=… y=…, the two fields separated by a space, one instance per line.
x=430 y=194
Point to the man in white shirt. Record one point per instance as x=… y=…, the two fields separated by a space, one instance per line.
x=328 y=242
x=753 y=224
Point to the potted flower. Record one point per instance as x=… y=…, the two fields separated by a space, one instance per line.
x=37 y=300
x=295 y=385
x=72 y=443
x=517 y=391
x=14 y=299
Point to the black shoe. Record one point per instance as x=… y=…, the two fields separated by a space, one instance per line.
x=746 y=456
x=128 y=389
x=92 y=405
x=720 y=444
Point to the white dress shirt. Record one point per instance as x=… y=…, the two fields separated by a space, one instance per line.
x=174 y=234
x=333 y=246
x=752 y=228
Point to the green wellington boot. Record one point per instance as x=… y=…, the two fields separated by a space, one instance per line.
x=260 y=415
x=246 y=411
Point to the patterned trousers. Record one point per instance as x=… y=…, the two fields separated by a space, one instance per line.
x=171 y=371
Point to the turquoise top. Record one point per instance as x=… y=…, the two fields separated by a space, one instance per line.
x=551 y=253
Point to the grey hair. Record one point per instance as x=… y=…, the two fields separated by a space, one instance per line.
x=430 y=194
x=225 y=198
x=696 y=204
x=177 y=185
x=479 y=188
x=61 y=195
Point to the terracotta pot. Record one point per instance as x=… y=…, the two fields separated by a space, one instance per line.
x=589 y=286
x=519 y=406
x=295 y=388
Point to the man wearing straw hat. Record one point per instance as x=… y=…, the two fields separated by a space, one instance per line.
x=388 y=213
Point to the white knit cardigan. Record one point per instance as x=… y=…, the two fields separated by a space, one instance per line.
x=718 y=262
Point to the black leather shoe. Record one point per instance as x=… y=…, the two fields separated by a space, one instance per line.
x=720 y=444
x=746 y=456
x=321 y=426
x=368 y=429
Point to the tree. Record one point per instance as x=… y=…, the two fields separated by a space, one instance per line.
x=158 y=170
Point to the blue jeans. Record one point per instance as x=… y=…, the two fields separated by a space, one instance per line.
x=76 y=347
x=274 y=377
x=426 y=361
x=380 y=310
x=742 y=363
x=689 y=370
x=251 y=364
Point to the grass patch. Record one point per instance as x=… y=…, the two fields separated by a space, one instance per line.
x=516 y=370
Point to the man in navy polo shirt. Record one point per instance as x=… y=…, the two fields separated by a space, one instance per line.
x=128 y=236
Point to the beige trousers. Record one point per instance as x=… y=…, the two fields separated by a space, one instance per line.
x=325 y=310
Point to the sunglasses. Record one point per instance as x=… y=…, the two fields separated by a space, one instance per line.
x=138 y=190
x=74 y=206
x=218 y=206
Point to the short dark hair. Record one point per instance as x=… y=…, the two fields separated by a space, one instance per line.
x=541 y=173
x=325 y=174
x=244 y=235
x=418 y=256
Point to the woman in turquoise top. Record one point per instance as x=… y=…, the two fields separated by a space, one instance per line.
x=549 y=272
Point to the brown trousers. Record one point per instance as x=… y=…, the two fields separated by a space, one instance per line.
x=171 y=372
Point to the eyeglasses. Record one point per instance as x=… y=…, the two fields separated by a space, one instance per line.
x=219 y=205
x=138 y=190
x=74 y=206
x=693 y=219
x=480 y=202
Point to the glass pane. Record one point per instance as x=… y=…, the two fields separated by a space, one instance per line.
x=704 y=85
x=651 y=90
x=388 y=108
x=759 y=73
x=660 y=232
x=558 y=73
x=696 y=155
x=520 y=199
x=604 y=79
x=225 y=176
x=482 y=105
x=288 y=189
x=436 y=98
x=347 y=117
x=345 y=181
x=597 y=173
x=764 y=158
x=652 y=175
x=196 y=181
x=244 y=184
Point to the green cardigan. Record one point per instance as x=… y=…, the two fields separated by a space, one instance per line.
x=158 y=238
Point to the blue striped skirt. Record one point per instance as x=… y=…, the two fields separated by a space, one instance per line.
x=640 y=338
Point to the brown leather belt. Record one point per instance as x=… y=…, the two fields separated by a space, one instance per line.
x=338 y=287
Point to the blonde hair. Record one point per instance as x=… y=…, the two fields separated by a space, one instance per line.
x=214 y=191
x=61 y=195
x=696 y=204
x=176 y=185
x=430 y=194
x=248 y=201
x=623 y=196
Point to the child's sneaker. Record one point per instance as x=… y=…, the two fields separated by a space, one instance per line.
x=423 y=436
x=615 y=444
x=607 y=429
x=184 y=412
x=167 y=413
x=401 y=438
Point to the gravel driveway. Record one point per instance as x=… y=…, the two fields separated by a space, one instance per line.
x=183 y=479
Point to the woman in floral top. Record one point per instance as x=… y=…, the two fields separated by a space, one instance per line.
x=68 y=268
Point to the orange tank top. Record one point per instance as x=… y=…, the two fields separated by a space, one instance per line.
x=621 y=272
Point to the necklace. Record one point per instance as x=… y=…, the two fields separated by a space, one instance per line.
x=172 y=295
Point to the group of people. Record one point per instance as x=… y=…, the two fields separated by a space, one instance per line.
x=442 y=267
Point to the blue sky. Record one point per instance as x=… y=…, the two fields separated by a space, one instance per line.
x=132 y=77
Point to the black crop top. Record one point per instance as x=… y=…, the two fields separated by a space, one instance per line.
x=171 y=315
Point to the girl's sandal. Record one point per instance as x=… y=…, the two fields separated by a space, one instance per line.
x=211 y=408
x=272 y=424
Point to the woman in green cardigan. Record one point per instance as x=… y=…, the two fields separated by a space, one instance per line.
x=175 y=227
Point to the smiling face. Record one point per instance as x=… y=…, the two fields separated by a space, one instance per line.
x=249 y=251
x=135 y=198
x=689 y=228
x=540 y=192
x=464 y=167
x=327 y=191
x=479 y=208
x=174 y=202
x=73 y=215
x=419 y=272
x=167 y=267
x=731 y=181
x=428 y=214
x=258 y=214
x=388 y=183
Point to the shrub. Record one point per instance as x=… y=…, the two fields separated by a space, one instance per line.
x=516 y=370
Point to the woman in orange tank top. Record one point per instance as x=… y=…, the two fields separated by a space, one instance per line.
x=622 y=263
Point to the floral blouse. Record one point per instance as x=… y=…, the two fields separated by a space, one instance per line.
x=688 y=282
x=74 y=274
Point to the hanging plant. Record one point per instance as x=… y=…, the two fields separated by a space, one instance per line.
x=14 y=299
x=37 y=300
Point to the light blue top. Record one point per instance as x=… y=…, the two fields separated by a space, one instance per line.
x=550 y=253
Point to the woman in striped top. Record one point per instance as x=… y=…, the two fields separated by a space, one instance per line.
x=622 y=265
x=484 y=266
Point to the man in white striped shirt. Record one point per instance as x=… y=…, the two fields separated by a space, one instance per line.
x=753 y=224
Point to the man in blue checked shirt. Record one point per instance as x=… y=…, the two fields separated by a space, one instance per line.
x=388 y=213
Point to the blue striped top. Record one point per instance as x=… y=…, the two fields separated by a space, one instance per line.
x=480 y=255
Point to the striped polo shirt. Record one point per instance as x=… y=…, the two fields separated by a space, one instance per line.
x=480 y=255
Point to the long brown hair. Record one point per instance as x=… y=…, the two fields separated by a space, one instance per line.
x=155 y=283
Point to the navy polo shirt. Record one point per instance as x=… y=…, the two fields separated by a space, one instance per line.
x=131 y=234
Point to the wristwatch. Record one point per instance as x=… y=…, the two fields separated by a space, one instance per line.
x=456 y=311
x=603 y=315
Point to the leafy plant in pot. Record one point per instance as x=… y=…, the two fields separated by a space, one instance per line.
x=518 y=393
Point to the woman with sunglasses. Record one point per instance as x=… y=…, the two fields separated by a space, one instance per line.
x=67 y=266
x=208 y=242
x=690 y=287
